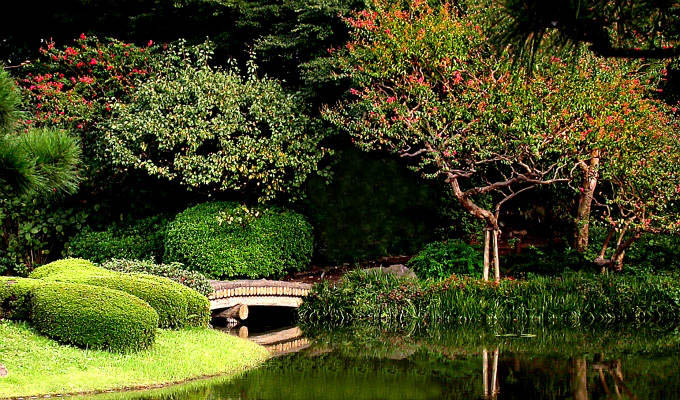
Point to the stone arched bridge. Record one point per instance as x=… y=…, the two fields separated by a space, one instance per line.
x=232 y=295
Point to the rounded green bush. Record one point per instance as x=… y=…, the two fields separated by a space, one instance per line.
x=92 y=317
x=142 y=239
x=440 y=260
x=177 y=305
x=226 y=240
x=174 y=271
x=15 y=297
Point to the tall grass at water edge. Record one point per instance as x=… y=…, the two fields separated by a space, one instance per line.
x=572 y=299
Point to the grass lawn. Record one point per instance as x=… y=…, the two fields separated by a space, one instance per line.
x=39 y=366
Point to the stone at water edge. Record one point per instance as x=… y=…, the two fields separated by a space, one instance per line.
x=396 y=269
x=3 y=371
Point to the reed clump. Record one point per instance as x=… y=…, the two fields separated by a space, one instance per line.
x=572 y=299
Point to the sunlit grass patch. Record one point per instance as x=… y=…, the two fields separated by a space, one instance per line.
x=38 y=365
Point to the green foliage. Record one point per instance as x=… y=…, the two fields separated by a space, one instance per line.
x=208 y=128
x=174 y=271
x=440 y=260
x=571 y=299
x=10 y=99
x=546 y=261
x=177 y=306
x=654 y=253
x=274 y=243
x=373 y=207
x=15 y=298
x=34 y=230
x=41 y=160
x=71 y=87
x=92 y=317
x=142 y=239
x=292 y=38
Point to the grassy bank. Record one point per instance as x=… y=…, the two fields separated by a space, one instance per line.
x=38 y=365
x=572 y=299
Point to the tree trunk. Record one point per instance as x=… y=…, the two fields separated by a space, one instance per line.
x=487 y=240
x=496 y=258
x=585 y=201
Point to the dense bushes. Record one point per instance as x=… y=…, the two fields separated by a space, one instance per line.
x=572 y=299
x=439 y=260
x=177 y=306
x=140 y=240
x=82 y=315
x=225 y=240
x=213 y=130
x=174 y=271
x=93 y=317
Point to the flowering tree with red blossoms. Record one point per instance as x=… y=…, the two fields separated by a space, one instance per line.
x=429 y=86
x=627 y=151
x=72 y=87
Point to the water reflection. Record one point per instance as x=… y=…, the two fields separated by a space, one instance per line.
x=365 y=363
x=278 y=341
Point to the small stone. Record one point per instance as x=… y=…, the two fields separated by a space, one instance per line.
x=3 y=371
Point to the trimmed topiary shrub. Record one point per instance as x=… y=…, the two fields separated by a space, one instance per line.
x=177 y=306
x=141 y=240
x=92 y=317
x=440 y=260
x=226 y=240
x=15 y=297
x=174 y=271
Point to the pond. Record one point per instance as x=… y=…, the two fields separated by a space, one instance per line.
x=456 y=363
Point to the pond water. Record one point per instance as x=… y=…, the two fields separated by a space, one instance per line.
x=455 y=363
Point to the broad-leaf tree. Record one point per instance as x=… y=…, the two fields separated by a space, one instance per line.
x=214 y=131
x=429 y=86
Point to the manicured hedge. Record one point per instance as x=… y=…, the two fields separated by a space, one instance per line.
x=92 y=317
x=174 y=271
x=177 y=306
x=82 y=315
x=15 y=297
x=142 y=239
x=222 y=241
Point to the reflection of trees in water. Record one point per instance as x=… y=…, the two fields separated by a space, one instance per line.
x=612 y=369
x=490 y=373
x=608 y=374
x=372 y=364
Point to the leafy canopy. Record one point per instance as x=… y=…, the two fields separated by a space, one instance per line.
x=211 y=129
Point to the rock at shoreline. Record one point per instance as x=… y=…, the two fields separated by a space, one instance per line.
x=3 y=371
x=397 y=269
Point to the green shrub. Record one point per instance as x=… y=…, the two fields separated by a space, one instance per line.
x=92 y=317
x=654 y=252
x=225 y=240
x=572 y=299
x=141 y=240
x=440 y=260
x=177 y=306
x=174 y=271
x=15 y=298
